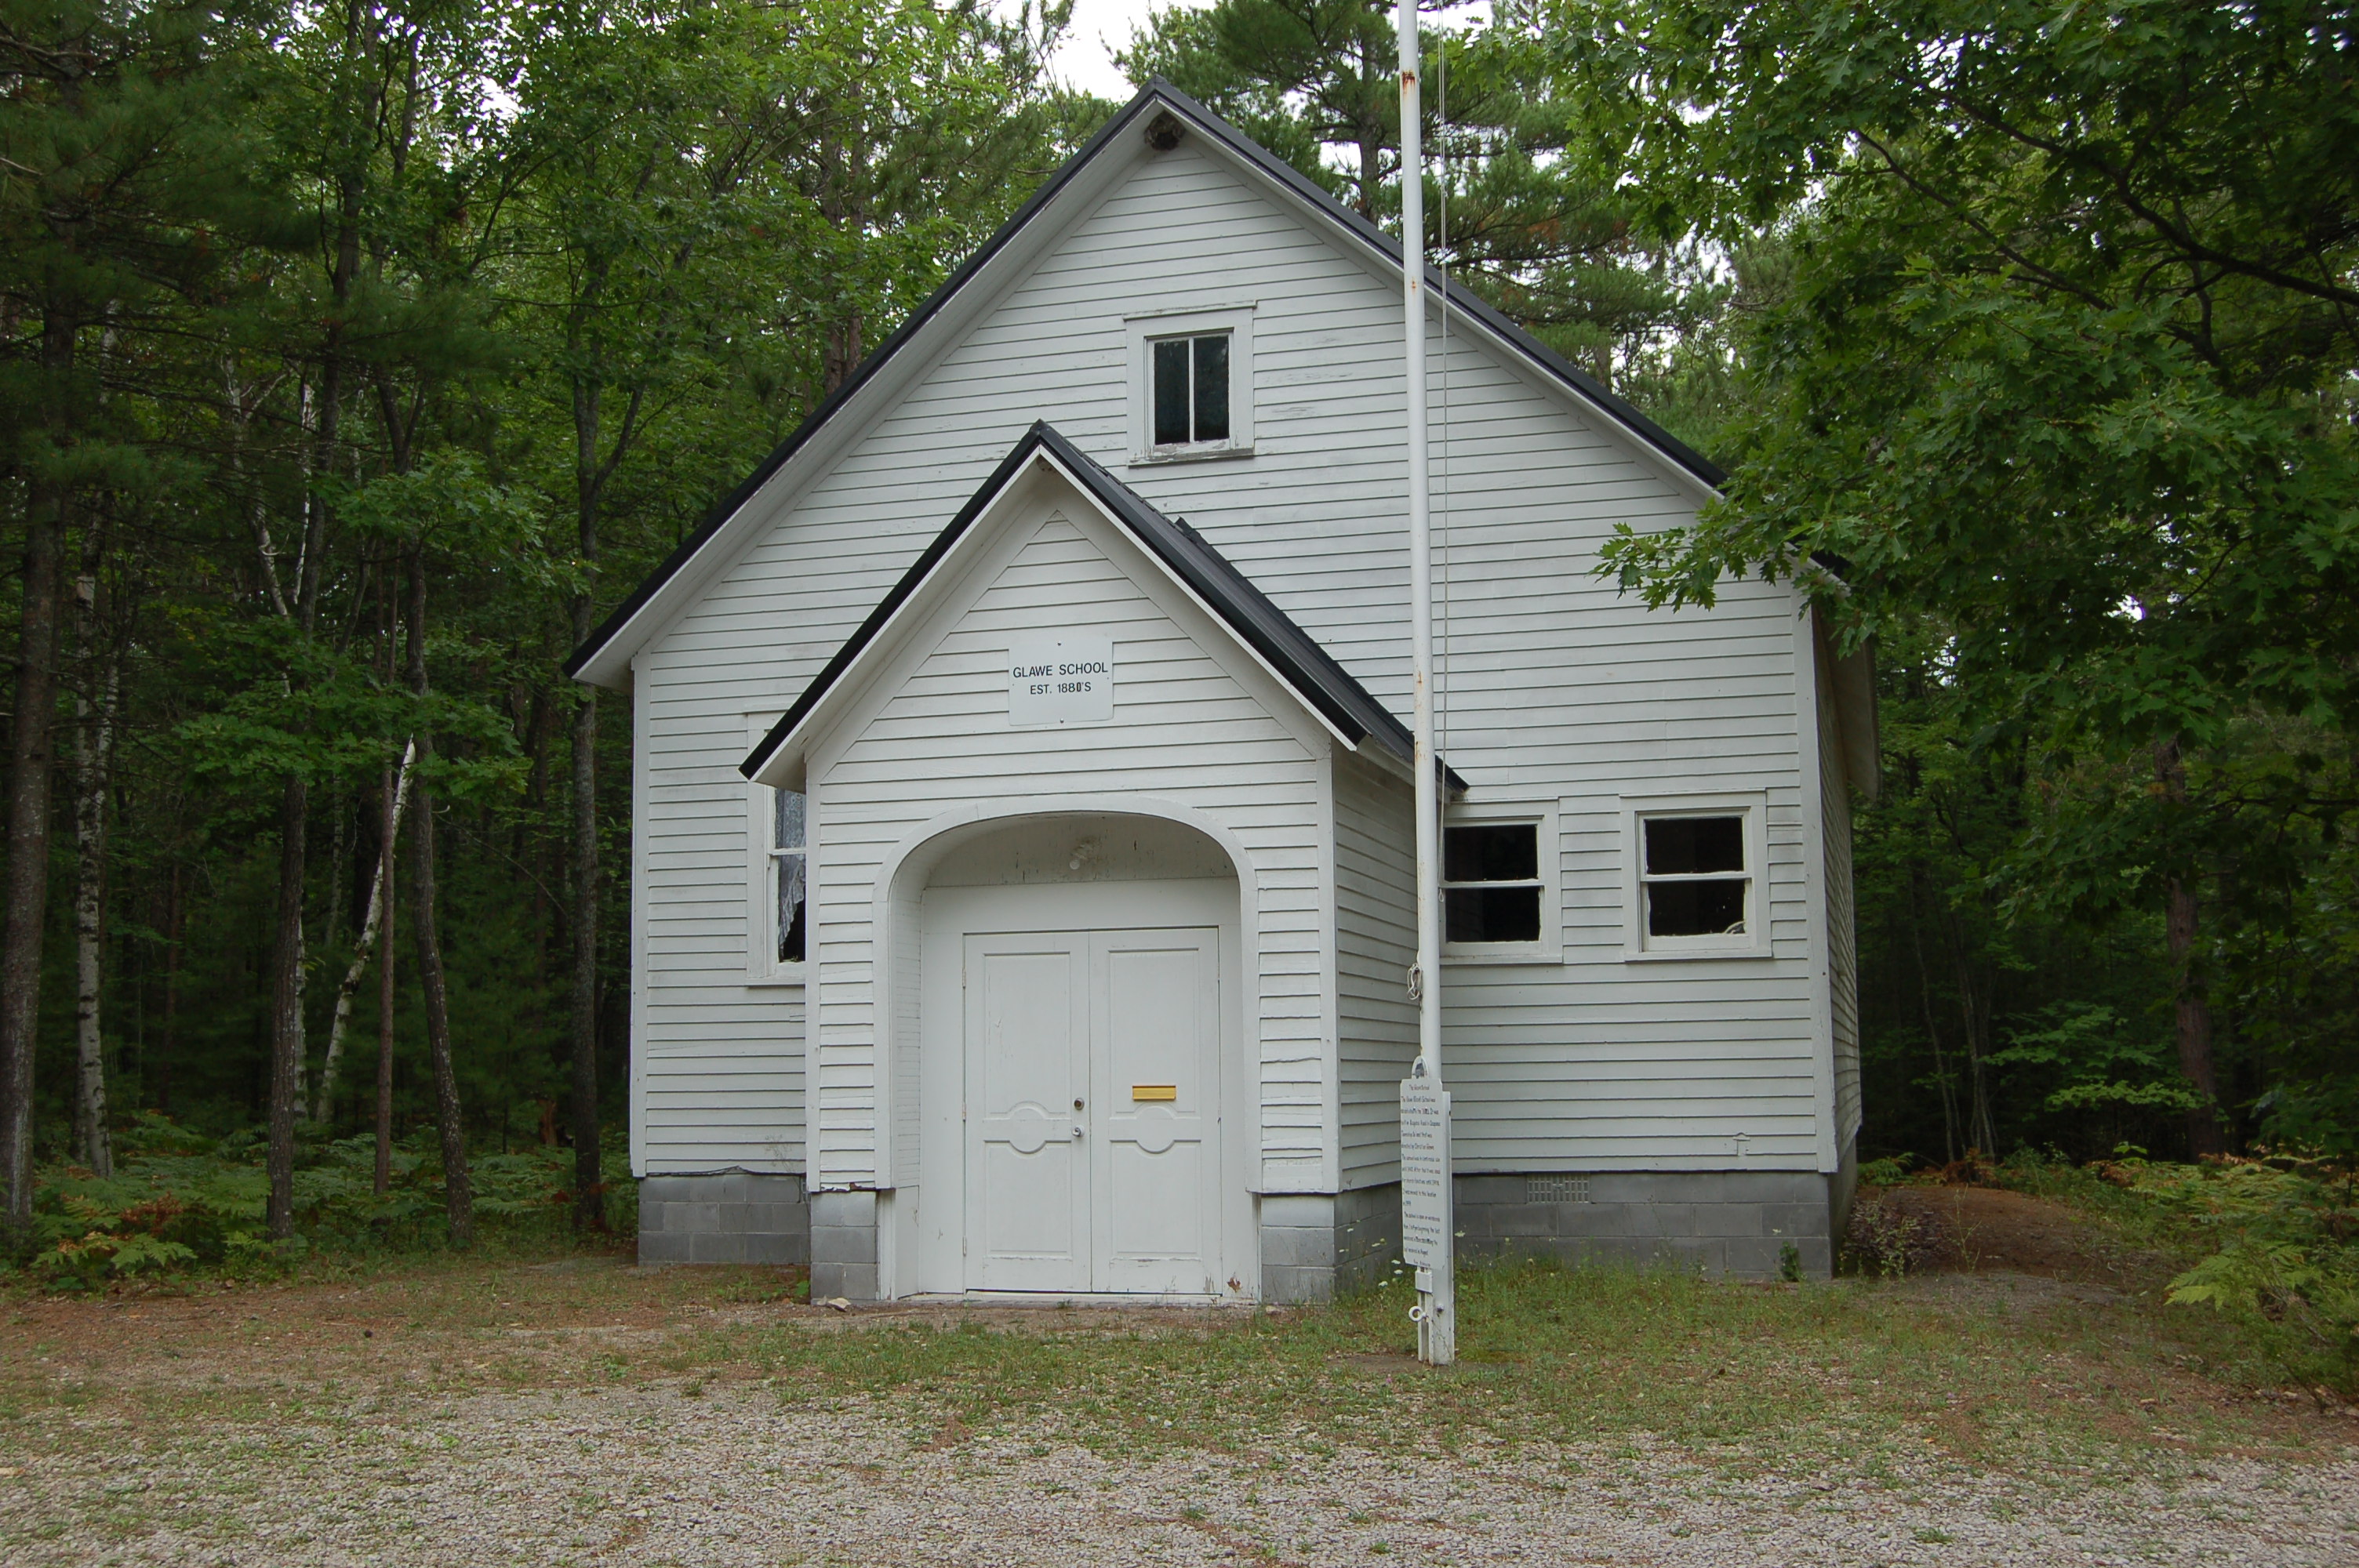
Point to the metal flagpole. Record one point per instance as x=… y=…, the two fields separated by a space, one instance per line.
x=1426 y=1217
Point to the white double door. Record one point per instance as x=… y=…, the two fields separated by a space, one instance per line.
x=1092 y=1110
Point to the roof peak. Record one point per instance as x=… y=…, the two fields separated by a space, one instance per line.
x=1293 y=655
x=1202 y=120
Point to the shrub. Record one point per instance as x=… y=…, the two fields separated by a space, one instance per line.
x=1886 y=1236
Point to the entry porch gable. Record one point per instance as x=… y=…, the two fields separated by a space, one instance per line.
x=924 y=740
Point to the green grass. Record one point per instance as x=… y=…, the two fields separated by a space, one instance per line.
x=1846 y=1373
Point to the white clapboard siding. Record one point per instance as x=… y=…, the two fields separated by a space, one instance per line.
x=1843 y=937
x=1559 y=690
x=1376 y=942
x=1188 y=727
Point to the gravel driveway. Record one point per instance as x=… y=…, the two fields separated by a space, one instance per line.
x=645 y=1475
x=584 y=1412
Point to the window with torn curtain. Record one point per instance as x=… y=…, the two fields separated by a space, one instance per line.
x=787 y=852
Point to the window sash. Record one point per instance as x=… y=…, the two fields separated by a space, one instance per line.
x=789 y=894
x=1189 y=390
x=1535 y=884
x=1742 y=877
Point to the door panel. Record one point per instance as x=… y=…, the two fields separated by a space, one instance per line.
x=1154 y=1028
x=1027 y=1063
x=1092 y=1111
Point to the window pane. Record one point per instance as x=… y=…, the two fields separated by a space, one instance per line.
x=1171 y=392
x=785 y=820
x=1491 y=914
x=790 y=908
x=1213 y=388
x=1695 y=909
x=1508 y=853
x=1684 y=846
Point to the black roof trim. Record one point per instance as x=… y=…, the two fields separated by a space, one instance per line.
x=1306 y=666
x=1458 y=297
x=860 y=377
x=1211 y=125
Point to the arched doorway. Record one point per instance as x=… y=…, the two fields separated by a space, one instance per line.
x=1080 y=1077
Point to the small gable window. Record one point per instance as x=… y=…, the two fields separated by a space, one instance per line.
x=1192 y=382
x=1192 y=390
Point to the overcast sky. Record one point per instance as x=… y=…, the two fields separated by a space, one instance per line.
x=1085 y=59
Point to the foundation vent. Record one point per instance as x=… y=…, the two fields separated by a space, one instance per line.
x=1556 y=1189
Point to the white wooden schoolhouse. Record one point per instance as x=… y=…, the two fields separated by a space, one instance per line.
x=1021 y=853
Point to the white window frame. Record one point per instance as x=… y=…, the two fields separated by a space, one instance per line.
x=1753 y=806
x=1548 y=841
x=1141 y=331
x=762 y=966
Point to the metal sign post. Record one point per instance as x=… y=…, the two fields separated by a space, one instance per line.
x=1426 y=1212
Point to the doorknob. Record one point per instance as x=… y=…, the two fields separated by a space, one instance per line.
x=1078 y=1131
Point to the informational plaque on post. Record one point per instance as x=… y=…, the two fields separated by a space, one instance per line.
x=1061 y=678
x=1425 y=1174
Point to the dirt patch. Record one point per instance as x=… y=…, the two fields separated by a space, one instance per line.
x=1992 y=1230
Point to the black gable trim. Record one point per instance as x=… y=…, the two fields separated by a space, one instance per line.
x=1306 y=666
x=860 y=377
x=1459 y=299
x=1210 y=125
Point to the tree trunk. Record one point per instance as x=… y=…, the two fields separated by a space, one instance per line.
x=390 y=802
x=25 y=891
x=94 y=745
x=588 y=1199
x=1974 y=1016
x=169 y=1048
x=287 y=1006
x=2192 y=1015
x=458 y=1191
x=363 y=945
x=1941 y=1078
x=589 y=1187
x=2190 y=1008
x=294 y=809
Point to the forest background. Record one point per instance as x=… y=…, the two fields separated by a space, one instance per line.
x=357 y=357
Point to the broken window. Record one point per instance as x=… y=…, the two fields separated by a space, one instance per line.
x=1190 y=389
x=1491 y=884
x=1694 y=878
x=787 y=851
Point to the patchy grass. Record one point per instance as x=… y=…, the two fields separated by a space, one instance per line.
x=1998 y=1371
x=201 y=1410
x=1794 y=1378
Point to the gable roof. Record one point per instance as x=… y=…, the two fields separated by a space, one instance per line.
x=1297 y=660
x=1158 y=96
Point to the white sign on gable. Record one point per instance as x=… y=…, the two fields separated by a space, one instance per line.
x=1061 y=678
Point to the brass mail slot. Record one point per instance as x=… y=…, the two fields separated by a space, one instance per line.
x=1154 y=1091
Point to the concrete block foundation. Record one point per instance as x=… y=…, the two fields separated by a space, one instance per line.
x=731 y=1217
x=1727 y=1224
x=1724 y=1224
x=1317 y=1246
